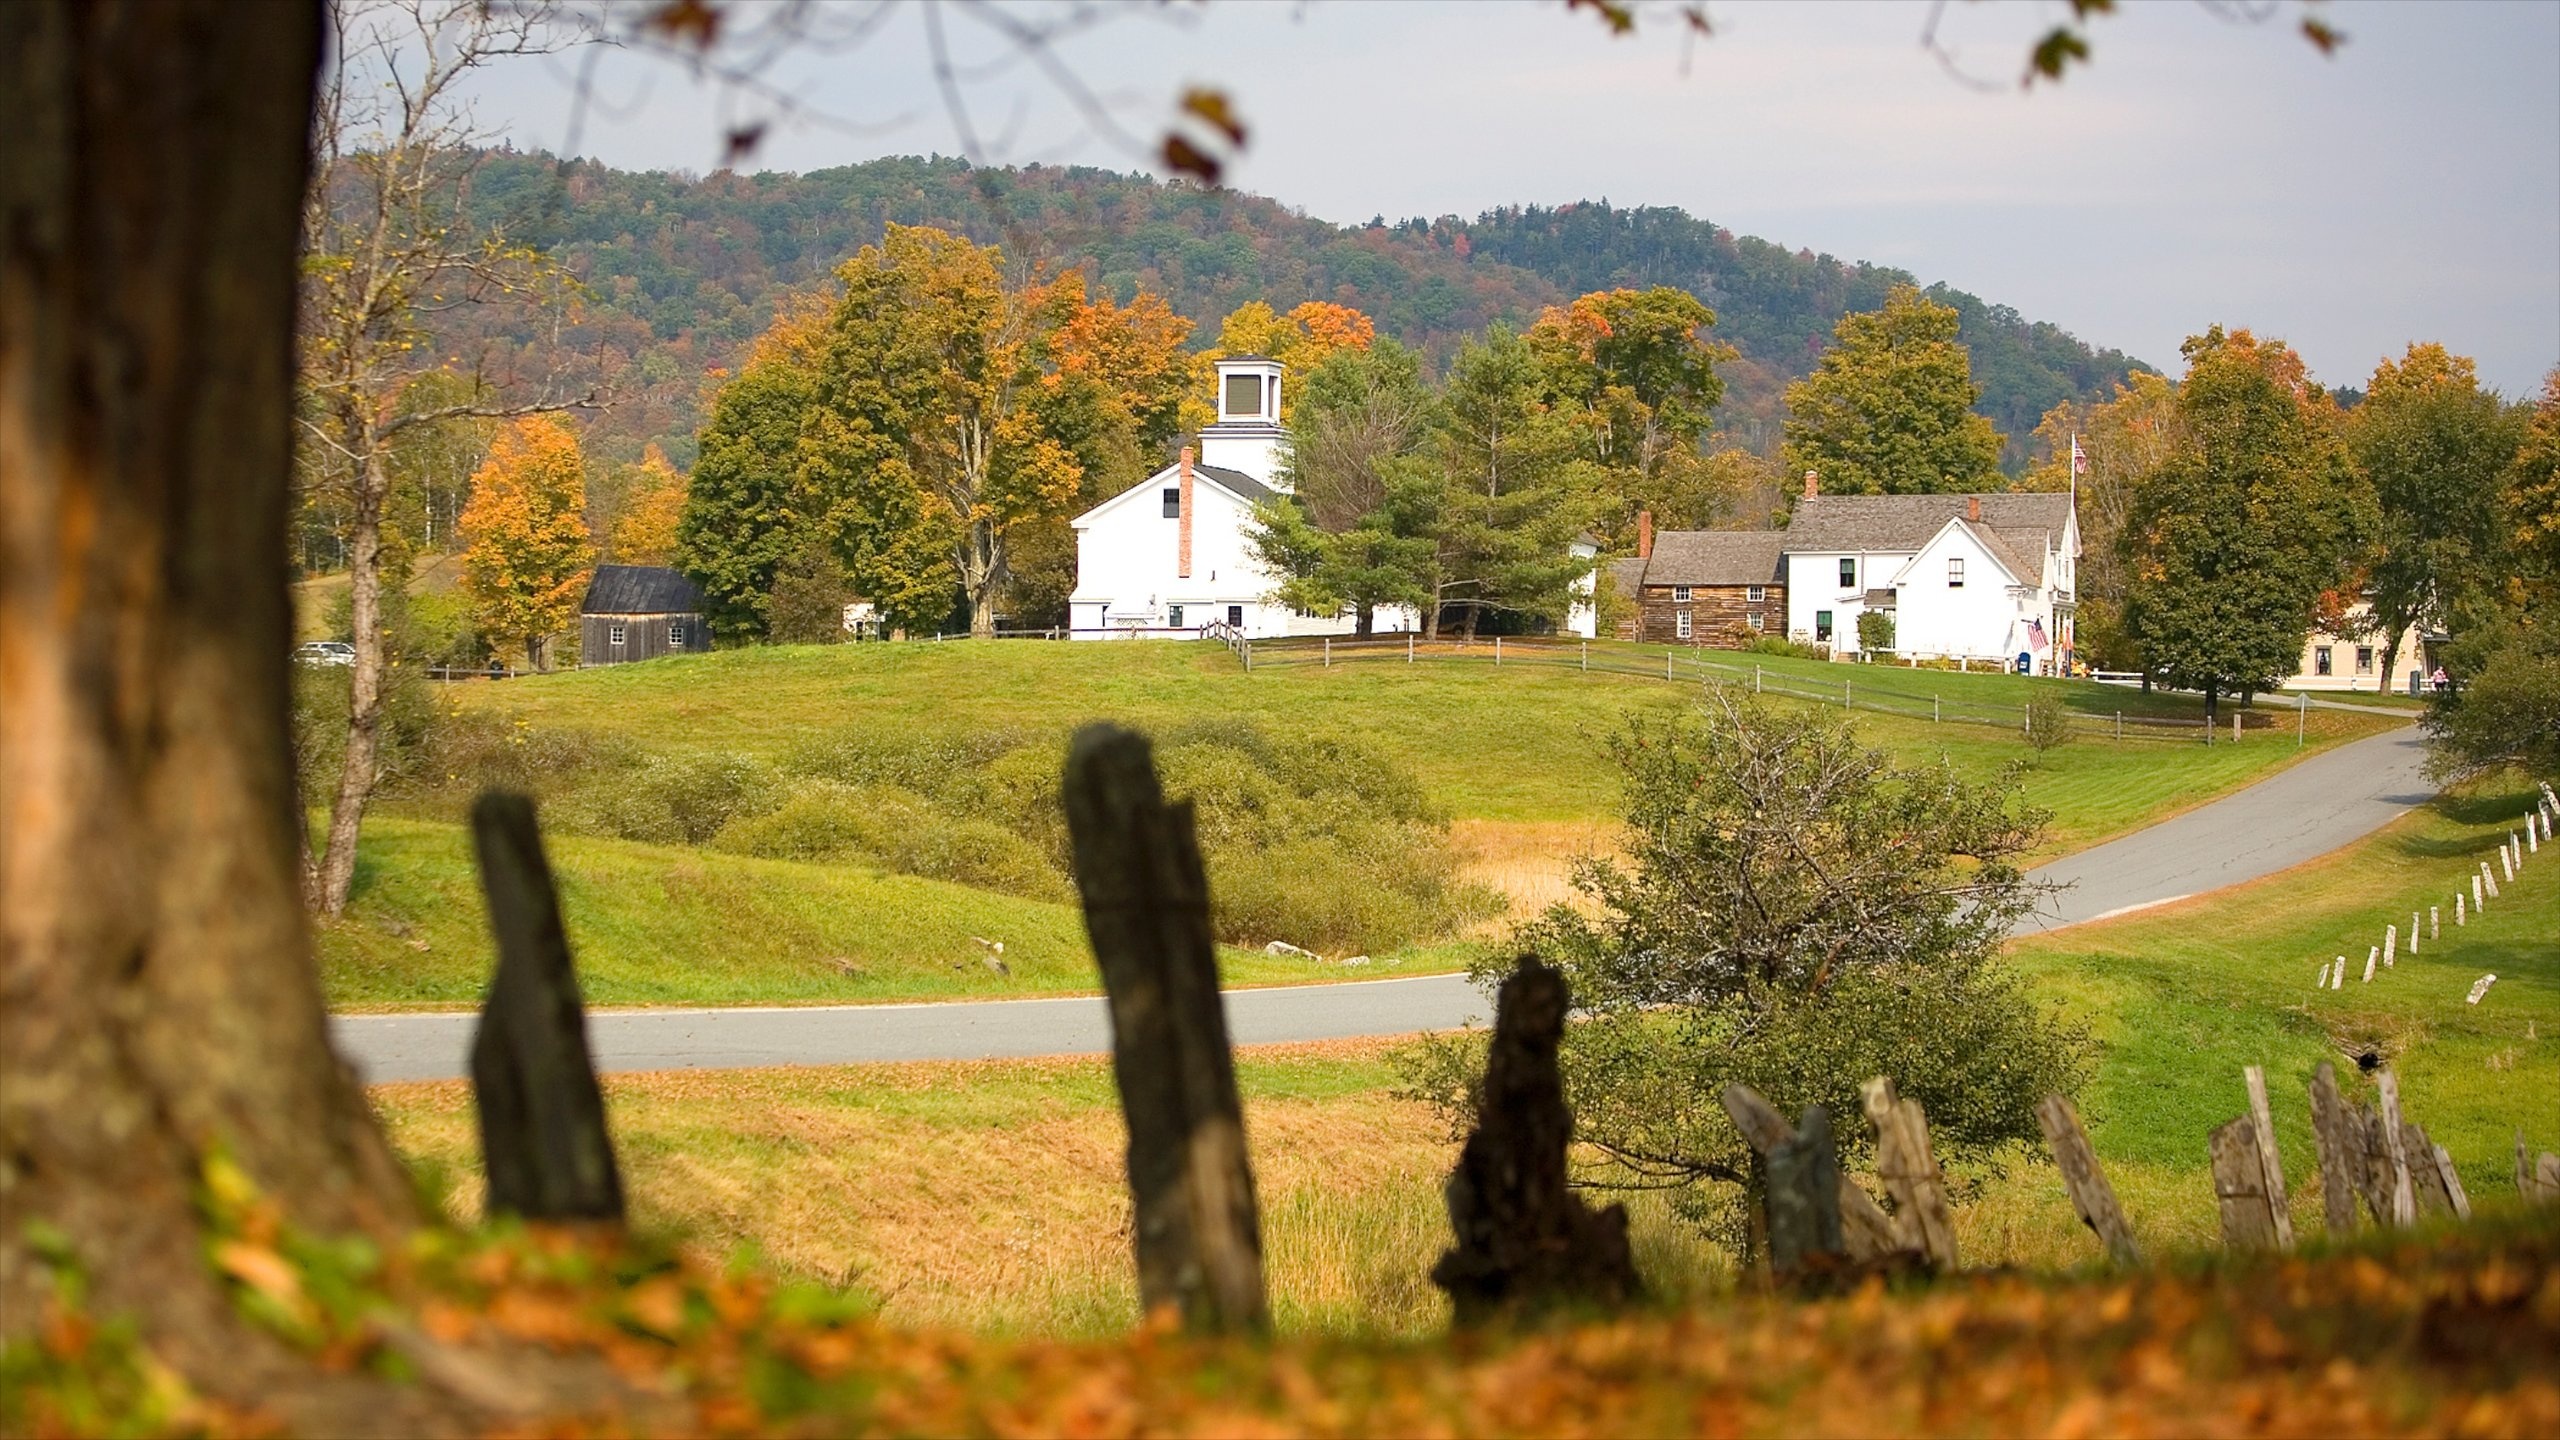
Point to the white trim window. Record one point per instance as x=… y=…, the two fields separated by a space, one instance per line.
x=675 y=633
x=1680 y=625
x=1680 y=594
x=613 y=634
x=1755 y=593
x=1955 y=572
x=1756 y=620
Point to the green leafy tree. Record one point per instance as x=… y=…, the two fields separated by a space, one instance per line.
x=2436 y=448
x=749 y=503
x=1889 y=409
x=1358 y=530
x=1634 y=373
x=2121 y=439
x=2254 y=514
x=1797 y=913
x=1517 y=493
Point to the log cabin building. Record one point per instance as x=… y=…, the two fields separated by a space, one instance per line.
x=1723 y=588
x=639 y=612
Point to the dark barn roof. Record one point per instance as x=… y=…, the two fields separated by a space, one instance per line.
x=640 y=590
x=1716 y=557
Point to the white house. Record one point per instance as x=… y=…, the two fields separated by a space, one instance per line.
x=1981 y=576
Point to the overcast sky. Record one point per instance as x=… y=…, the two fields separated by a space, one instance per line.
x=2199 y=171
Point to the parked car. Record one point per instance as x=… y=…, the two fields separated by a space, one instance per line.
x=325 y=652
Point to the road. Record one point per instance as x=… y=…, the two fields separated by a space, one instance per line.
x=2327 y=801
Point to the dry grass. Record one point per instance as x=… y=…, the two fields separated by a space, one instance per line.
x=990 y=1195
x=1529 y=861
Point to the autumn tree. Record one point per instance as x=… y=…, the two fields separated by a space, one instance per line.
x=2435 y=447
x=644 y=526
x=1888 y=410
x=1633 y=372
x=529 y=557
x=388 y=242
x=2120 y=439
x=2256 y=512
x=1301 y=339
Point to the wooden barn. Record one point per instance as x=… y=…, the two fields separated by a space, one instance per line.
x=639 y=612
x=1723 y=588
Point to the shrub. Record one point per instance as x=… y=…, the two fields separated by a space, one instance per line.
x=677 y=799
x=2048 y=723
x=1875 y=632
x=1780 y=645
x=897 y=830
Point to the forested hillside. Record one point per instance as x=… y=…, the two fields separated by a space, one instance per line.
x=682 y=272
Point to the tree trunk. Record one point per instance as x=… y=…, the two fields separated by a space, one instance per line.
x=364 y=700
x=2212 y=708
x=157 y=993
x=1368 y=621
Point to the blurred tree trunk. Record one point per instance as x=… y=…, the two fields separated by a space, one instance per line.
x=158 y=1000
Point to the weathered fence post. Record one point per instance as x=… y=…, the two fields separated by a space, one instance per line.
x=1328 y=652
x=2391 y=943
x=1586 y=656
x=2239 y=1186
x=2338 y=1138
x=1408 y=647
x=2255 y=1077
x=543 y=1140
x=1910 y=1173
x=1865 y=1229
x=2091 y=1196
x=1805 y=1240
x=1146 y=908
x=1523 y=1238
x=2395 y=1155
x=2435 y=922
x=2451 y=1180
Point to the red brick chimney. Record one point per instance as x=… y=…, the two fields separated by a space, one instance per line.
x=1182 y=555
x=1644 y=534
x=1812 y=483
x=1973 y=508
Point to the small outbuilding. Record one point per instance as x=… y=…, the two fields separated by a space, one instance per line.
x=639 y=612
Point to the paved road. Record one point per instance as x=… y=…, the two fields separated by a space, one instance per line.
x=2325 y=802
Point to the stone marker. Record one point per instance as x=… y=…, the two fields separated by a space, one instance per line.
x=2479 y=988
x=2507 y=861
x=2413 y=932
x=2457 y=901
x=2391 y=943
x=2475 y=890
x=2488 y=880
x=2435 y=923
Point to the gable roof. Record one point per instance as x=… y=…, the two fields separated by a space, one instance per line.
x=2018 y=529
x=1715 y=557
x=1235 y=482
x=640 y=590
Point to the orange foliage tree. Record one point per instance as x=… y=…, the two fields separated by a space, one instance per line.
x=1300 y=339
x=529 y=555
x=646 y=532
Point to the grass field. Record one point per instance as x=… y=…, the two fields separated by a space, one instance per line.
x=989 y=1195
x=660 y=925
x=1516 y=743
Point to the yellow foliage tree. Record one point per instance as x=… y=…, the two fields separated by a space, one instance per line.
x=529 y=555
x=1300 y=339
x=646 y=532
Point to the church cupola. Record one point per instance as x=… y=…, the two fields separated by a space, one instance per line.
x=1247 y=438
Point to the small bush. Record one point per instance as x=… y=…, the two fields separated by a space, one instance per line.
x=899 y=830
x=1780 y=645
x=677 y=800
x=2048 y=724
x=470 y=750
x=1875 y=632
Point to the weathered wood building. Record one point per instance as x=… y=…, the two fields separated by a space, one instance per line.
x=639 y=612
x=1723 y=588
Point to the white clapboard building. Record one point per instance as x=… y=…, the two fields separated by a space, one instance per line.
x=1975 y=576
x=1175 y=551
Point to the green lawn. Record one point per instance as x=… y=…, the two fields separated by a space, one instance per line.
x=1517 y=743
x=660 y=925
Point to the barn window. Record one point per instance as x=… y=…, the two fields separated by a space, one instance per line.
x=1173 y=616
x=675 y=632
x=1755 y=593
x=614 y=634
x=1172 y=502
x=1680 y=625
x=1679 y=594
x=1756 y=620
x=1955 y=572
x=1235 y=615
x=1848 y=573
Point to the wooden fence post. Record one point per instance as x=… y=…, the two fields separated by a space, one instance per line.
x=2338 y=1136
x=1524 y=1239
x=543 y=1140
x=2395 y=1156
x=1146 y=908
x=2451 y=1180
x=1805 y=1239
x=2269 y=1162
x=1866 y=1231
x=2091 y=1196
x=2239 y=1186
x=1910 y=1173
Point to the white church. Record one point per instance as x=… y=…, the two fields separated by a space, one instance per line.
x=1175 y=551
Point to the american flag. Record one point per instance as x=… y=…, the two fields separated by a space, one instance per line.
x=2035 y=635
x=2079 y=457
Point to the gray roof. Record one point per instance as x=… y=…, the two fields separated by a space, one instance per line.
x=2018 y=528
x=1627 y=574
x=1235 y=480
x=1716 y=557
x=640 y=590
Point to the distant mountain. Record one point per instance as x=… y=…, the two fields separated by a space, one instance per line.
x=683 y=271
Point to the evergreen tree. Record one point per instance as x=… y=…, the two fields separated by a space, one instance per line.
x=2254 y=514
x=1517 y=493
x=1889 y=410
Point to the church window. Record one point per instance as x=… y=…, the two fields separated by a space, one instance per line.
x=1244 y=396
x=1173 y=502
x=2320 y=660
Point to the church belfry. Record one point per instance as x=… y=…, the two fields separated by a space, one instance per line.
x=1247 y=436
